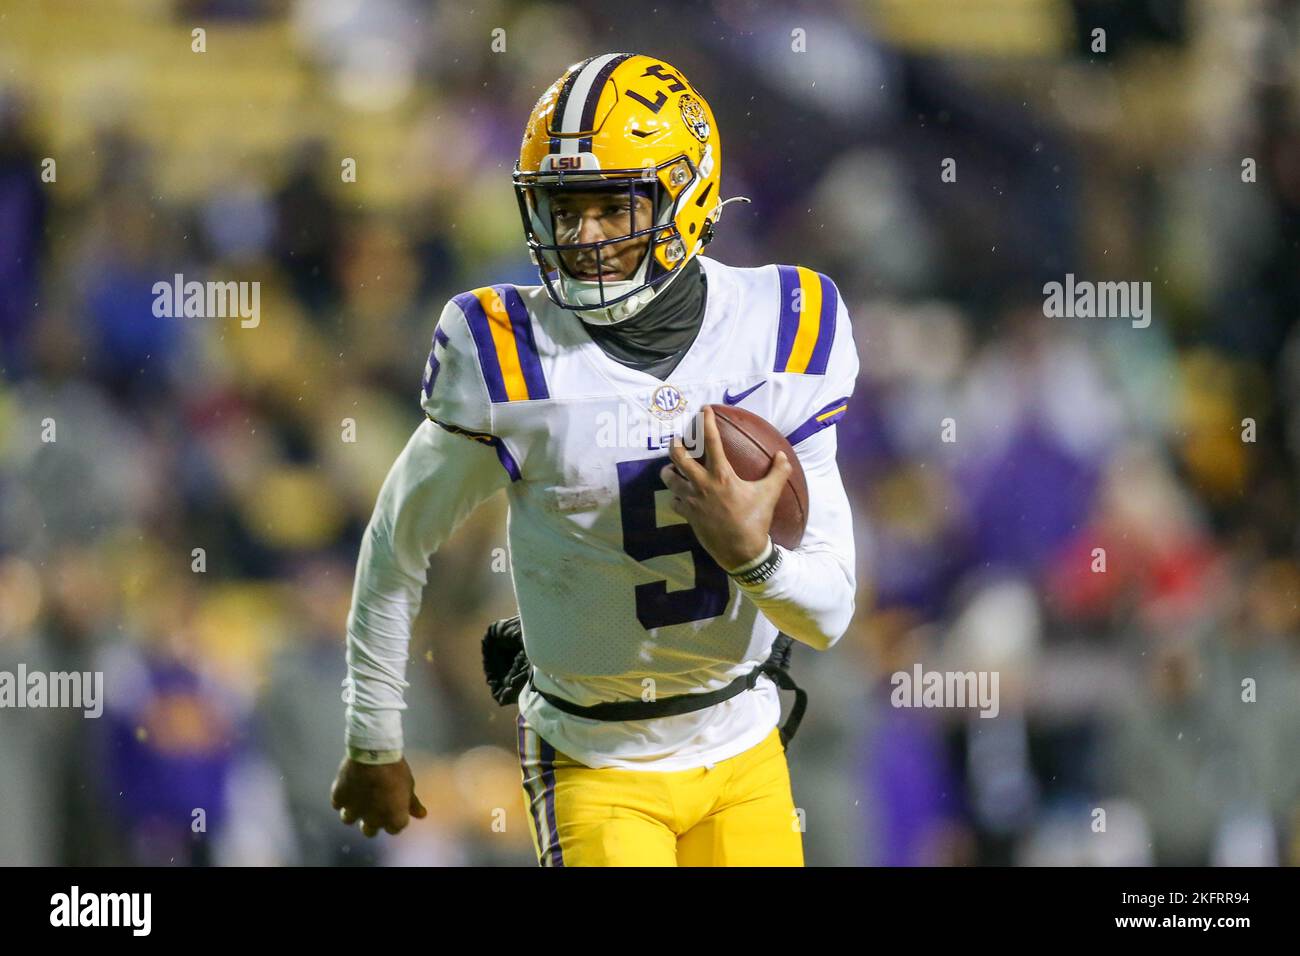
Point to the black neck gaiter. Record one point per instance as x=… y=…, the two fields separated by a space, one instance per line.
x=655 y=339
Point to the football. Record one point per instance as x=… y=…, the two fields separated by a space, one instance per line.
x=751 y=443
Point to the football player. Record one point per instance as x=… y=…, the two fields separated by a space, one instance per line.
x=650 y=594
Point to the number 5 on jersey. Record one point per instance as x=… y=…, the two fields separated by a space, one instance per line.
x=644 y=538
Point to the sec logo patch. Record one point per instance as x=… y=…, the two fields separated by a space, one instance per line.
x=667 y=402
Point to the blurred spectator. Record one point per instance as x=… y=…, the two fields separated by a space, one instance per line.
x=308 y=226
x=23 y=210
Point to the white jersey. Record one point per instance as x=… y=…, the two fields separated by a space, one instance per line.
x=615 y=594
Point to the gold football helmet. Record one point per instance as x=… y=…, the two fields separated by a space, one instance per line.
x=622 y=122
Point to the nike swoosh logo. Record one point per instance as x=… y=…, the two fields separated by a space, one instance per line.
x=729 y=399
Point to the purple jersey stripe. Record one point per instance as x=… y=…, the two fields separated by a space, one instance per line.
x=548 y=776
x=524 y=342
x=836 y=409
x=825 y=328
x=477 y=320
x=507 y=460
x=439 y=338
x=593 y=99
x=789 y=324
x=503 y=453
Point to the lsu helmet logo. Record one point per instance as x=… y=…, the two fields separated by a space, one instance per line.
x=694 y=118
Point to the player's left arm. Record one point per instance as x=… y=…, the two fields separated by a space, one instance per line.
x=811 y=593
x=808 y=592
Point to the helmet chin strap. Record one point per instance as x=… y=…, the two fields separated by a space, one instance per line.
x=579 y=290
x=620 y=311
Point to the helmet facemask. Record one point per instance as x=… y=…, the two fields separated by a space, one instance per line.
x=603 y=300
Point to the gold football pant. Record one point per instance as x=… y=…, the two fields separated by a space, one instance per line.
x=739 y=813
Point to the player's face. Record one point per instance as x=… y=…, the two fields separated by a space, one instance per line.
x=593 y=217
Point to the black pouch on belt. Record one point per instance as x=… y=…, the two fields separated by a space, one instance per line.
x=506 y=666
x=504 y=662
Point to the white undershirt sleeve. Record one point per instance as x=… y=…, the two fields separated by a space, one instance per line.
x=437 y=480
x=811 y=595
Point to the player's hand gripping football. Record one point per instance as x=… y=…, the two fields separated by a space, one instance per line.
x=730 y=516
x=381 y=796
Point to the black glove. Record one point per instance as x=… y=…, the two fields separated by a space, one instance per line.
x=504 y=662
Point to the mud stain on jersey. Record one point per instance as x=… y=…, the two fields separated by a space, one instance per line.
x=579 y=498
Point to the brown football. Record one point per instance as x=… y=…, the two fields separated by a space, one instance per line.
x=751 y=444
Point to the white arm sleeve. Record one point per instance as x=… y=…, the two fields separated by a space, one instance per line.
x=437 y=480
x=811 y=595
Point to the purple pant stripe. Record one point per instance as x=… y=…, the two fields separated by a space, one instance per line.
x=529 y=788
x=548 y=777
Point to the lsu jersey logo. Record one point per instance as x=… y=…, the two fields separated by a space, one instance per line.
x=694 y=118
x=667 y=402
